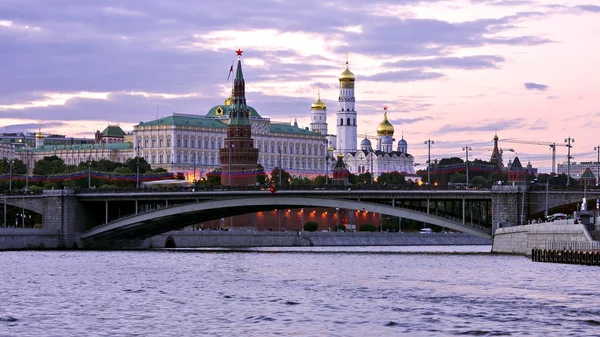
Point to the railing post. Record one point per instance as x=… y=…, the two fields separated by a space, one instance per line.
x=106 y=212
x=464 y=212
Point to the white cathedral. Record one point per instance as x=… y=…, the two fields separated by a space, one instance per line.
x=190 y=143
x=365 y=159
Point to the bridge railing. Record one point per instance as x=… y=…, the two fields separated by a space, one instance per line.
x=367 y=187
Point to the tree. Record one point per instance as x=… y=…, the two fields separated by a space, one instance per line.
x=367 y=227
x=311 y=226
x=458 y=177
x=261 y=175
x=319 y=180
x=450 y=161
x=122 y=171
x=274 y=179
x=479 y=181
x=49 y=166
x=392 y=178
x=132 y=165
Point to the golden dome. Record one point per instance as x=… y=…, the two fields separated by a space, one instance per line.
x=347 y=75
x=39 y=135
x=318 y=104
x=385 y=128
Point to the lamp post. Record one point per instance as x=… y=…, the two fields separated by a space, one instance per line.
x=467 y=149
x=90 y=172
x=26 y=168
x=429 y=142
x=231 y=146
x=372 y=154
x=137 y=168
x=194 y=160
x=327 y=158
x=597 y=148
x=280 y=175
x=10 y=167
x=569 y=146
x=5 y=224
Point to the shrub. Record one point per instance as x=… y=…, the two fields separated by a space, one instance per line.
x=311 y=226
x=367 y=227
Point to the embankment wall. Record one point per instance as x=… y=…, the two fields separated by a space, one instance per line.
x=522 y=239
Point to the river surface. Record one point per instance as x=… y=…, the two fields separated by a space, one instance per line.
x=314 y=291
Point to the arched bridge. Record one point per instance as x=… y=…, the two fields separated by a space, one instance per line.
x=168 y=218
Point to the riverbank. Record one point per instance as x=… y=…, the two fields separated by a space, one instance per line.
x=15 y=239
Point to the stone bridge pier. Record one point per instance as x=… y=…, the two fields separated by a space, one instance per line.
x=61 y=213
x=509 y=206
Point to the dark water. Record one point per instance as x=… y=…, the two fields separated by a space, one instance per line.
x=380 y=291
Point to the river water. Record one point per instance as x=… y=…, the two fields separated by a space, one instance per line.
x=349 y=291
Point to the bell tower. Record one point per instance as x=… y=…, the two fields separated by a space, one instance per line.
x=346 y=116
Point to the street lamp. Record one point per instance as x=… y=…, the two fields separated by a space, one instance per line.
x=10 y=167
x=194 y=159
x=597 y=148
x=280 y=175
x=90 y=172
x=5 y=224
x=569 y=146
x=137 y=167
x=231 y=146
x=467 y=149
x=26 y=168
x=429 y=142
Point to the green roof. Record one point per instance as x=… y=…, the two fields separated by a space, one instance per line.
x=223 y=111
x=588 y=174
x=113 y=131
x=187 y=120
x=109 y=146
x=291 y=129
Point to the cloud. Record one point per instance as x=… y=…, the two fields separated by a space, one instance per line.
x=466 y=62
x=407 y=121
x=552 y=97
x=490 y=126
x=588 y=8
x=403 y=76
x=535 y=86
x=30 y=127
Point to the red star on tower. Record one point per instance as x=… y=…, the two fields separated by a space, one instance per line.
x=385 y=108
x=239 y=52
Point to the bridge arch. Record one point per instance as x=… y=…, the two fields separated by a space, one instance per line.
x=166 y=219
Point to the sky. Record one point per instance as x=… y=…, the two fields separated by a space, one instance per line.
x=455 y=72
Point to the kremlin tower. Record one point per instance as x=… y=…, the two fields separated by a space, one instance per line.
x=239 y=156
x=346 y=116
x=496 y=157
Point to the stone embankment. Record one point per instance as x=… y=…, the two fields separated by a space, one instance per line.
x=18 y=238
x=523 y=239
x=194 y=239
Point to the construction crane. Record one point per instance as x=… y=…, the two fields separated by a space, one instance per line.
x=490 y=149
x=552 y=145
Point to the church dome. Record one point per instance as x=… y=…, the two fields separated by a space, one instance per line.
x=365 y=143
x=318 y=104
x=347 y=75
x=39 y=135
x=402 y=143
x=385 y=128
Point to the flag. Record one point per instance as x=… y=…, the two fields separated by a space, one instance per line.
x=230 y=71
